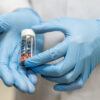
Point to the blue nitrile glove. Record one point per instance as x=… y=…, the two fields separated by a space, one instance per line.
x=11 y=25
x=80 y=49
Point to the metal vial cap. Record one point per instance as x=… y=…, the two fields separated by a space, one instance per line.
x=28 y=32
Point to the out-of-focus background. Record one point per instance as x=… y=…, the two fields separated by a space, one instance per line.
x=42 y=92
x=6 y=93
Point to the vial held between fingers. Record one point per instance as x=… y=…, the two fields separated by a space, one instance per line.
x=28 y=44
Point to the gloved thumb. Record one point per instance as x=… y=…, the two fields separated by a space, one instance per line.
x=48 y=27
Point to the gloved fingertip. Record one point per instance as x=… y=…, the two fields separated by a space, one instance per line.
x=29 y=63
x=31 y=89
x=20 y=83
x=44 y=27
x=35 y=27
x=34 y=80
x=23 y=83
x=32 y=77
x=8 y=81
x=32 y=62
x=39 y=28
x=7 y=77
x=30 y=85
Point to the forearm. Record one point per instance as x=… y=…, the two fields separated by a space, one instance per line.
x=10 y=5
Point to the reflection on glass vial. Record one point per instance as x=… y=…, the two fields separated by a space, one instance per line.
x=27 y=44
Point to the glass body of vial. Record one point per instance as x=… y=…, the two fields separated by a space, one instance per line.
x=27 y=44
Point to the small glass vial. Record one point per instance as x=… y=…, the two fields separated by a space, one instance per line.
x=28 y=44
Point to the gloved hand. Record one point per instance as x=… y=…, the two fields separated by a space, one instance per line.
x=80 y=49
x=11 y=25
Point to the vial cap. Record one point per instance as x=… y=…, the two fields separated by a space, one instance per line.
x=29 y=32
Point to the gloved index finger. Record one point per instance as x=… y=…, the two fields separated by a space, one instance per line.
x=49 y=26
x=49 y=55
